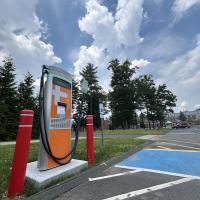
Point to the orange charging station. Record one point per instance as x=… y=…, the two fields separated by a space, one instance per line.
x=56 y=123
x=55 y=118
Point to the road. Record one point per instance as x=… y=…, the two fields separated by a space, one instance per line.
x=168 y=169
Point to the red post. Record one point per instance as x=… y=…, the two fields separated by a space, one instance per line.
x=20 y=158
x=90 y=139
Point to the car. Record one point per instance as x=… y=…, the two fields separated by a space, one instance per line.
x=181 y=125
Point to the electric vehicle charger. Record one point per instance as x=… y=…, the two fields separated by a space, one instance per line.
x=61 y=121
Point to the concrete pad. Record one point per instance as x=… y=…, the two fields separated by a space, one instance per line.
x=43 y=178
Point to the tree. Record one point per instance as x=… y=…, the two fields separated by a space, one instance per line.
x=79 y=105
x=75 y=94
x=165 y=101
x=182 y=116
x=146 y=95
x=8 y=100
x=142 y=118
x=26 y=96
x=27 y=100
x=95 y=93
x=122 y=96
x=157 y=101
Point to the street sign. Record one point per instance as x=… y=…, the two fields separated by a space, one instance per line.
x=84 y=86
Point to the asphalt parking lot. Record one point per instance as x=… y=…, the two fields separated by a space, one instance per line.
x=167 y=169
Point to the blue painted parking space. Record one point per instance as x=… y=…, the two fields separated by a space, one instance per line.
x=182 y=162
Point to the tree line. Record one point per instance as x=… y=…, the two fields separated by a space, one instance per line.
x=131 y=102
x=14 y=98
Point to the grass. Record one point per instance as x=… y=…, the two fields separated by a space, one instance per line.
x=160 y=131
x=110 y=149
x=140 y=131
x=6 y=155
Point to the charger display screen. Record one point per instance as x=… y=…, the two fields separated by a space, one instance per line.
x=61 y=83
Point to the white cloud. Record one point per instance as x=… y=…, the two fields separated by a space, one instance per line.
x=197 y=106
x=182 y=75
x=182 y=6
x=128 y=17
x=183 y=106
x=184 y=68
x=98 y=22
x=22 y=36
x=114 y=35
x=140 y=62
x=37 y=82
x=86 y=55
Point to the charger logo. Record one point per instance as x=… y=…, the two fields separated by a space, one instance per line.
x=58 y=93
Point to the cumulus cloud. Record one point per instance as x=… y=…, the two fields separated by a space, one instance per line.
x=185 y=68
x=23 y=35
x=197 y=106
x=183 y=106
x=140 y=62
x=128 y=17
x=182 y=75
x=114 y=34
x=86 y=55
x=37 y=82
x=182 y=6
x=98 y=22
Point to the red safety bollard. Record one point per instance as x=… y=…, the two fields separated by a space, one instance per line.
x=90 y=139
x=20 y=158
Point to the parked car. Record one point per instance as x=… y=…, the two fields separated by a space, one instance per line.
x=181 y=125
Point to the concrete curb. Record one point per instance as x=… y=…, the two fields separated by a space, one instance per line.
x=75 y=181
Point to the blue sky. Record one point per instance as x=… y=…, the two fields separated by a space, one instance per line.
x=162 y=37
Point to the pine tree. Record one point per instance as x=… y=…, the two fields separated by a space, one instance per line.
x=36 y=119
x=75 y=94
x=95 y=93
x=26 y=93
x=27 y=100
x=79 y=106
x=8 y=100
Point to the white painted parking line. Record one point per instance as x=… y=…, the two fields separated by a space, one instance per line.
x=158 y=171
x=149 y=189
x=114 y=175
x=148 y=137
x=162 y=147
x=179 y=145
x=183 y=141
x=167 y=149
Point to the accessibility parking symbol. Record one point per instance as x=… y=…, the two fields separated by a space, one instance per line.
x=179 y=162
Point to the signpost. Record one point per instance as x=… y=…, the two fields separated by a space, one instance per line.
x=101 y=111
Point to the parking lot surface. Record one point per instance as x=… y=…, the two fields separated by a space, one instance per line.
x=167 y=169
